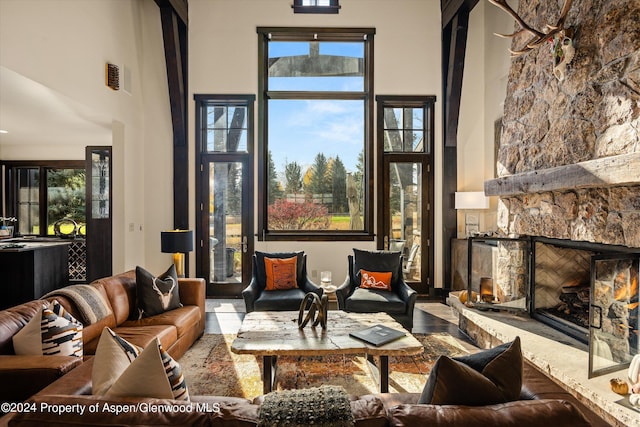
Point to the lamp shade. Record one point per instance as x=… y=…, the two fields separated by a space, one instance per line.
x=471 y=200
x=176 y=241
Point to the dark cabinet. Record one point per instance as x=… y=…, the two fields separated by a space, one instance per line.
x=31 y=271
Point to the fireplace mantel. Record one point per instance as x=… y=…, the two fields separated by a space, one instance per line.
x=621 y=170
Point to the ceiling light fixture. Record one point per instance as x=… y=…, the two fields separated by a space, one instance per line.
x=4 y=131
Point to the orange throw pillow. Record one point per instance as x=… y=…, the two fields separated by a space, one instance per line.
x=380 y=280
x=281 y=273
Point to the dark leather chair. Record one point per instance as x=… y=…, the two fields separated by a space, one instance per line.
x=398 y=303
x=256 y=298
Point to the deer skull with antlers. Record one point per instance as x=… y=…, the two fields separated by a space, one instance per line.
x=560 y=37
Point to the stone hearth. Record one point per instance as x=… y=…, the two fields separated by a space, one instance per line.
x=561 y=357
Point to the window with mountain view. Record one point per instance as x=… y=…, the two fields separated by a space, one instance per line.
x=316 y=137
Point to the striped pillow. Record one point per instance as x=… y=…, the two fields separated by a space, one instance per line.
x=152 y=374
x=51 y=332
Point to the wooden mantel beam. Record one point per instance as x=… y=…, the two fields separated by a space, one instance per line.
x=611 y=171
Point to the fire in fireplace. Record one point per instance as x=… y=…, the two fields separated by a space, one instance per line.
x=589 y=292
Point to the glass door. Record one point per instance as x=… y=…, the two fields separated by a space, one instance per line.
x=405 y=219
x=225 y=194
x=227 y=235
x=613 y=332
x=405 y=135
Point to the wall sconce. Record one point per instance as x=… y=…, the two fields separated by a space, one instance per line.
x=177 y=242
x=471 y=200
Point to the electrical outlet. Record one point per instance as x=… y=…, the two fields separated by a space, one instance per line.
x=131 y=226
x=314 y=273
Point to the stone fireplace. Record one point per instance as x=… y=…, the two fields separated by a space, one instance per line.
x=569 y=156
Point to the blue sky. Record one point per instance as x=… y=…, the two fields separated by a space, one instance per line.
x=300 y=129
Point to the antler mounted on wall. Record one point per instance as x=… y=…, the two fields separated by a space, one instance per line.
x=560 y=37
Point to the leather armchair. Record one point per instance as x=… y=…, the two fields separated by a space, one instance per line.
x=257 y=299
x=398 y=303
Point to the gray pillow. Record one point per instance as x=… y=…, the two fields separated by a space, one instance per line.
x=155 y=295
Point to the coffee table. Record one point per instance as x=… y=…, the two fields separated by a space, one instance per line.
x=275 y=333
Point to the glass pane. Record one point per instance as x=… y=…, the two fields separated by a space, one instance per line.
x=316 y=165
x=100 y=184
x=405 y=215
x=404 y=130
x=614 y=314
x=225 y=222
x=316 y=66
x=66 y=200
x=28 y=200
x=500 y=272
x=226 y=129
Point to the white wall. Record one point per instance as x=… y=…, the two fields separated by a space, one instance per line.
x=64 y=45
x=484 y=88
x=223 y=55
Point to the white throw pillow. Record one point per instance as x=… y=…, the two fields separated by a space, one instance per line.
x=120 y=369
x=113 y=356
x=52 y=331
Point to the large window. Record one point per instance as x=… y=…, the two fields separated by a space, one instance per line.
x=315 y=134
x=44 y=194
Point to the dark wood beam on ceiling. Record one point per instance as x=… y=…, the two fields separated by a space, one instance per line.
x=455 y=24
x=180 y=7
x=174 y=31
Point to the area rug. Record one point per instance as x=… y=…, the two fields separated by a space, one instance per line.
x=210 y=368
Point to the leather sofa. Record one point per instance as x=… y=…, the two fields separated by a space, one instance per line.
x=178 y=329
x=543 y=403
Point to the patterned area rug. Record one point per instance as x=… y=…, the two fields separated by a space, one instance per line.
x=210 y=368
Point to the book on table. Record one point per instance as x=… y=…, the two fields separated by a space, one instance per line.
x=377 y=335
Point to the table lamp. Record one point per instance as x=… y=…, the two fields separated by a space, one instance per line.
x=471 y=200
x=177 y=242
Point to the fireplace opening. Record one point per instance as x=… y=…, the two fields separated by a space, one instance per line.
x=561 y=290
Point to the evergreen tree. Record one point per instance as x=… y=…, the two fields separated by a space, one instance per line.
x=319 y=184
x=274 y=190
x=339 y=186
x=293 y=178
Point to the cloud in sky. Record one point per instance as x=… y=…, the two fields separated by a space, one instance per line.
x=300 y=129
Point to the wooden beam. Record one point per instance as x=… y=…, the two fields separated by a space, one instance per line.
x=180 y=7
x=612 y=171
x=457 y=49
x=175 y=33
x=450 y=8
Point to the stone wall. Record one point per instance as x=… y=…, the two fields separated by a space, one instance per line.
x=593 y=113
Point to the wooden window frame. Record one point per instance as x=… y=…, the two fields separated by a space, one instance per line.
x=267 y=34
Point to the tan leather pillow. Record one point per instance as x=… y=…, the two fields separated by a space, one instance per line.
x=380 y=280
x=484 y=378
x=281 y=273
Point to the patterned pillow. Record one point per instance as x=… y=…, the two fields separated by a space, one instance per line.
x=152 y=374
x=281 y=273
x=113 y=356
x=380 y=280
x=155 y=295
x=52 y=331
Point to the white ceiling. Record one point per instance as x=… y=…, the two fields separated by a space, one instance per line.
x=34 y=114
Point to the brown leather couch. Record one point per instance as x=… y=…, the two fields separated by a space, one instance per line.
x=543 y=403
x=22 y=376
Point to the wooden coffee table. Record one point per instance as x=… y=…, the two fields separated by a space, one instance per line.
x=275 y=333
